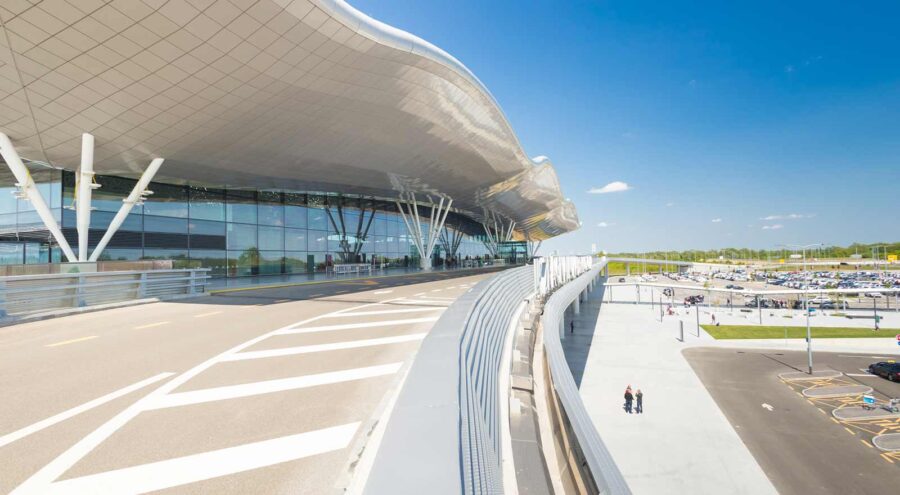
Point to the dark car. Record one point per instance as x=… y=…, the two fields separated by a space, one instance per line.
x=621 y=279
x=737 y=287
x=693 y=300
x=886 y=369
x=833 y=305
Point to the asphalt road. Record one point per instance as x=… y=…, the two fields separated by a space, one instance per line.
x=797 y=443
x=262 y=391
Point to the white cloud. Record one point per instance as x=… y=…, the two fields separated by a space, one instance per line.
x=772 y=227
x=669 y=205
x=615 y=186
x=605 y=224
x=789 y=216
x=716 y=220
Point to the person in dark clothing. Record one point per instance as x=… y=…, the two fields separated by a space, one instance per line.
x=572 y=326
x=629 y=397
x=639 y=405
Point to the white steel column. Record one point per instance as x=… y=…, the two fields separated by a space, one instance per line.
x=136 y=196
x=410 y=215
x=85 y=184
x=26 y=183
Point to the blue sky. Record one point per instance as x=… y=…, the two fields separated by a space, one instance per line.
x=733 y=125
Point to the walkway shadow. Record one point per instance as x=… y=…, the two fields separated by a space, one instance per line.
x=577 y=345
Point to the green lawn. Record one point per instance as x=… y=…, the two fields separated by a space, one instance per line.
x=756 y=332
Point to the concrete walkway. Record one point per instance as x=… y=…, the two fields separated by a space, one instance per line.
x=682 y=443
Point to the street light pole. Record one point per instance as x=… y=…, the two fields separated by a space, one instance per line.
x=808 y=332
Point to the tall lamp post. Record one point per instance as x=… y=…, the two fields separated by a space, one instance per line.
x=803 y=248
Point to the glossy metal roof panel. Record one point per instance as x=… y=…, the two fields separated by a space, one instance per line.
x=267 y=94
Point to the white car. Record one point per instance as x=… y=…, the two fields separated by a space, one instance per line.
x=820 y=300
x=874 y=295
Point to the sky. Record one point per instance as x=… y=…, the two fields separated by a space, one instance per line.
x=693 y=125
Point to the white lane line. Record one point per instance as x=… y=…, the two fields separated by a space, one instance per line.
x=87 y=406
x=67 y=342
x=382 y=292
x=63 y=462
x=436 y=290
x=419 y=294
x=151 y=325
x=198 y=467
x=869 y=375
x=269 y=386
x=308 y=349
x=385 y=312
x=348 y=326
x=204 y=315
x=421 y=302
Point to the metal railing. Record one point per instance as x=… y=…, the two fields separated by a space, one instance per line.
x=443 y=435
x=28 y=294
x=606 y=475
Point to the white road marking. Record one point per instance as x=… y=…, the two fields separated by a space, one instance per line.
x=348 y=326
x=67 y=342
x=198 y=467
x=385 y=312
x=203 y=315
x=308 y=349
x=63 y=462
x=268 y=386
x=768 y=407
x=421 y=302
x=151 y=325
x=87 y=406
x=436 y=290
x=382 y=292
x=870 y=375
x=419 y=294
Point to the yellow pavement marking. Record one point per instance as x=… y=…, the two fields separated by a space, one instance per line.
x=885 y=457
x=151 y=325
x=202 y=315
x=867 y=444
x=850 y=431
x=836 y=421
x=82 y=339
x=821 y=410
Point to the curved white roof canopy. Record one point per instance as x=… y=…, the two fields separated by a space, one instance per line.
x=266 y=94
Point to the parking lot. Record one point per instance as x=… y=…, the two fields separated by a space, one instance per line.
x=797 y=438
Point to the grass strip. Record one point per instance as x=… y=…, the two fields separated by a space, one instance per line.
x=729 y=332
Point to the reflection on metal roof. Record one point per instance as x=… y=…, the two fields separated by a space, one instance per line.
x=267 y=94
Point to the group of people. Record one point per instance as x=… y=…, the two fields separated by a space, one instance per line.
x=634 y=397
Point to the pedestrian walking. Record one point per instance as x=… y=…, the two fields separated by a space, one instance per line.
x=629 y=398
x=639 y=404
x=572 y=326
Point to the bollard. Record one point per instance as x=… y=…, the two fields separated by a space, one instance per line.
x=681 y=330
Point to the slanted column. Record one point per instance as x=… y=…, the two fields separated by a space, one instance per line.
x=136 y=197
x=85 y=185
x=31 y=192
x=424 y=245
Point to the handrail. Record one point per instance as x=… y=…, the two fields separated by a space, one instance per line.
x=22 y=295
x=605 y=473
x=443 y=435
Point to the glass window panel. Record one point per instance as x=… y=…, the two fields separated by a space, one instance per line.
x=165 y=254
x=167 y=201
x=271 y=238
x=7 y=200
x=295 y=240
x=100 y=220
x=241 y=236
x=295 y=262
x=8 y=221
x=379 y=225
x=393 y=227
x=271 y=211
x=165 y=224
x=11 y=253
x=118 y=254
x=214 y=259
x=271 y=262
x=317 y=240
x=318 y=220
x=242 y=263
x=295 y=216
x=207 y=204
x=206 y=227
x=240 y=207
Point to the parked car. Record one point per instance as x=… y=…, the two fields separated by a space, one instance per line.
x=833 y=305
x=874 y=295
x=689 y=300
x=820 y=300
x=886 y=369
x=737 y=287
x=621 y=279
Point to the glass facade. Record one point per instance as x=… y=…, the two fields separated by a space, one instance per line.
x=233 y=232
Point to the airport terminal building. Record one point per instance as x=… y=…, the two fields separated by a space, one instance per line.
x=254 y=137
